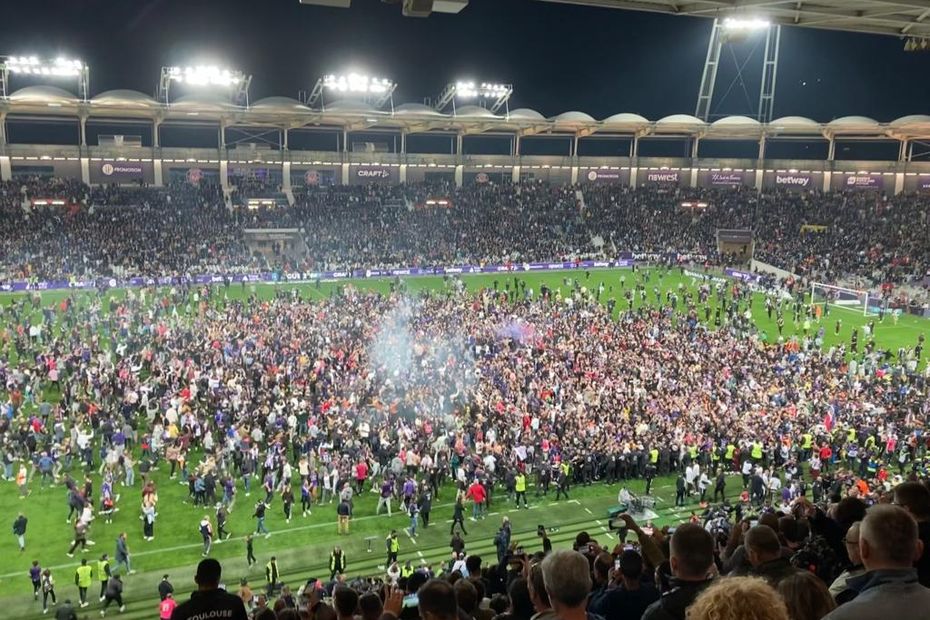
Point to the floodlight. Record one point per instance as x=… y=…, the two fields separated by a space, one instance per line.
x=736 y=23
x=494 y=94
x=200 y=76
x=60 y=67
x=374 y=90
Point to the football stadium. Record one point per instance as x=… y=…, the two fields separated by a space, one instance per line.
x=372 y=352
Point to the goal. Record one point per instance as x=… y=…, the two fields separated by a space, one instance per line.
x=856 y=300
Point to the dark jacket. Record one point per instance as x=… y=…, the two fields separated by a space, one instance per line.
x=923 y=564
x=623 y=604
x=165 y=588
x=672 y=604
x=211 y=601
x=65 y=612
x=19 y=526
x=774 y=571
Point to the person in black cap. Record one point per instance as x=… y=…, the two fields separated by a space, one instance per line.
x=165 y=588
x=209 y=597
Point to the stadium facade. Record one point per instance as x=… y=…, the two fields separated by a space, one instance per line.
x=157 y=165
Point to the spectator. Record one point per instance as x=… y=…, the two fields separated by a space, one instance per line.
x=692 y=566
x=631 y=596
x=537 y=588
x=888 y=545
x=765 y=555
x=806 y=596
x=915 y=498
x=567 y=577
x=839 y=589
x=739 y=598
x=345 y=602
x=209 y=597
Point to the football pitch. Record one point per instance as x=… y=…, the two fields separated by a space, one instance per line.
x=302 y=546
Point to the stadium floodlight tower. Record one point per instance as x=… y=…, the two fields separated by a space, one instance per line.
x=41 y=68
x=491 y=95
x=733 y=30
x=372 y=90
x=206 y=76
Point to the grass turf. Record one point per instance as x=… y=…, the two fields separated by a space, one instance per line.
x=302 y=546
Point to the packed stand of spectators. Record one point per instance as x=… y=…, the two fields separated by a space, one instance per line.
x=860 y=238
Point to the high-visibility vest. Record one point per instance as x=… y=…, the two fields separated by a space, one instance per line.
x=757 y=450
x=806 y=440
x=102 y=566
x=520 y=483
x=653 y=456
x=393 y=545
x=730 y=450
x=84 y=573
x=406 y=571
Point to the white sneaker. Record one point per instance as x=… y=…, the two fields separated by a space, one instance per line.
x=122 y=608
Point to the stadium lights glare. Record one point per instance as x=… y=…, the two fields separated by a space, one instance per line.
x=32 y=65
x=203 y=75
x=488 y=90
x=735 y=23
x=356 y=83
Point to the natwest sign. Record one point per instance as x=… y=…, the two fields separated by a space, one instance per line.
x=663 y=177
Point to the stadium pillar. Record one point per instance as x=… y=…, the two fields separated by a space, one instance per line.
x=2 y=129
x=403 y=145
x=458 y=144
x=402 y=173
x=634 y=147
x=831 y=150
x=902 y=150
x=459 y=174
x=515 y=174
x=574 y=147
x=159 y=175
x=910 y=151
x=221 y=137
x=156 y=128
x=224 y=171
x=827 y=178
x=284 y=133
x=898 y=182
x=85 y=171
x=634 y=172
x=695 y=145
x=6 y=170
x=286 y=175
x=83 y=122
x=345 y=174
x=574 y=175
x=516 y=146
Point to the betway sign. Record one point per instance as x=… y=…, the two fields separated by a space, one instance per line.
x=793 y=180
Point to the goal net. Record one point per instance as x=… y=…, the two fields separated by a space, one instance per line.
x=826 y=297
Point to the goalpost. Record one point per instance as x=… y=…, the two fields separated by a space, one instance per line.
x=842 y=297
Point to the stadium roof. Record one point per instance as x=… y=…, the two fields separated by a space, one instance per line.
x=286 y=113
x=909 y=18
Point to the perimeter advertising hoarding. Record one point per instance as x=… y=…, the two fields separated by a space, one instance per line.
x=725 y=179
x=371 y=174
x=793 y=180
x=923 y=184
x=595 y=175
x=864 y=181
x=117 y=172
x=660 y=177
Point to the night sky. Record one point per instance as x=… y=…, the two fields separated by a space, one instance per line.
x=559 y=57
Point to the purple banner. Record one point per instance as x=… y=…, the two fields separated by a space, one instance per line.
x=792 y=180
x=662 y=177
x=726 y=178
x=116 y=172
x=368 y=174
x=601 y=176
x=923 y=183
x=864 y=181
x=745 y=276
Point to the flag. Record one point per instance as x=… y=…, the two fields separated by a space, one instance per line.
x=828 y=419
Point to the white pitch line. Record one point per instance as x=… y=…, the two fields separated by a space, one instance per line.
x=588 y=510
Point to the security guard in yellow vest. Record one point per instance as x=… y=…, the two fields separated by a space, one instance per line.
x=83 y=577
x=757 y=451
x=519 y=487
x=337 y=563
x=272 y=575
x=406 y=571
x=103 y=574
x=654 y=456
x=393 y=548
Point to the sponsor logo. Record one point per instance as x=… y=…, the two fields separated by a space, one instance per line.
x=863 y=181
x=373 y=173
x=194 y=175
x=662 y=177
x=729 y=178
x=312 y=177
x=453 y=270
x=482 y=177
x=340 y=274
x=790 y=179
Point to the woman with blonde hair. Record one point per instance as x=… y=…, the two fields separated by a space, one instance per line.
x=738 y=598
x=806 y=596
